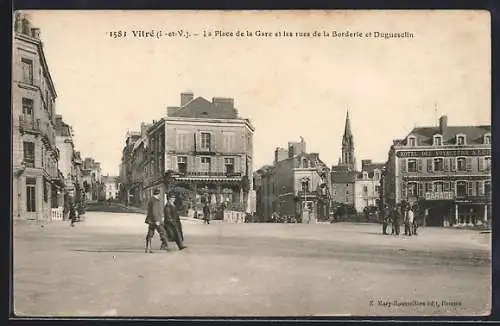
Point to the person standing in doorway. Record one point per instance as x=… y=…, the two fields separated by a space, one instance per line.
x=172 y=222
x=153 y=219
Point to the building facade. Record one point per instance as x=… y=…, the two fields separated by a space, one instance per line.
x=446 y=170
x=367 y=185
x=126 y=168
x=209 y=150
x=296 y=186
x=37 y=184
x=92 y=182
x=111 y=187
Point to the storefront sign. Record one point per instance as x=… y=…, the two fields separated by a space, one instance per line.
x=443 y=195
x=445 y=153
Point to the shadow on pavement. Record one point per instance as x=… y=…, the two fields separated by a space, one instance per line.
x=132 y=251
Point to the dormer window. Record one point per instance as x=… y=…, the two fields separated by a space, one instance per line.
x=487 y=139
x=412 y=141
x=376 y=174
x=365 y=175
x=438 y=140
x=461 y=139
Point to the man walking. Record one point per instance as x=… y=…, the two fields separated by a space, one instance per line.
x=396 y=219
x=153 y=219
x=172 y=222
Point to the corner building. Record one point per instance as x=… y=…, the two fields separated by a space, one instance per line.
x=446 y=170
x=37 y=184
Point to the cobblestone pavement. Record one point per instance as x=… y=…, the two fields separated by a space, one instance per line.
x=99 y=268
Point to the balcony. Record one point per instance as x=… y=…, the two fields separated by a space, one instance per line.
x=29 y=124
x=211 y=174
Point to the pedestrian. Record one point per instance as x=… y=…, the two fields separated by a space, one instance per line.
x=172 y=222
x=385 y=219
x=72 y=212
x=153 y=220
x=206 y=214
x=411 y=220
x=396 y=220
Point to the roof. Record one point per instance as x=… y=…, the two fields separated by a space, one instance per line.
x=474 y=134
x=370 y=168
x=61 y=128
x=109 y=179
x=219 y=108
x=343 y=176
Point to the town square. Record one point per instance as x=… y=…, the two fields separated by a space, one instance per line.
x=350 y=177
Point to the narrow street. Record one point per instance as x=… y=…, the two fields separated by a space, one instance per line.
x=99 y=268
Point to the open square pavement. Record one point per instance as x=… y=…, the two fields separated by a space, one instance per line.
x=99 y=268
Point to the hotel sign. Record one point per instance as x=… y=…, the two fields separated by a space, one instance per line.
x=445 y=153
x=444 y=195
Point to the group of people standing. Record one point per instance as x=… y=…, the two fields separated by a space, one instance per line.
x=165 y=221
x=398 y=215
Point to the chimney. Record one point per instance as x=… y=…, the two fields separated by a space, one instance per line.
x=186 y=97
x=18 y=22
x=35 y=32
x=443 y=123
x=26 y=26
x=291 y=150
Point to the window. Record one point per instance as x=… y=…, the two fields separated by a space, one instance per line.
x=29 y=154
x=487 y=163
x=412 y=141
x=205 y=140
x=182 y=164
x=45 y=192
x=412 y=189
x=461 y=164
x=27 y=65
x=438 y=164
x=365 y=175
x=460 y=140
x=377 y=189
x=412 y=165
x=470 y=188
x=229 y=165
x=487 y=139
x=365 y=189
x=487 y=188
x=205 y=164
x=228 y=141
x=438 y=186
x=31 y=194
x=461 y=188
x=376 y=175
x=27 y=106
x=181 y=142
x=438 y=140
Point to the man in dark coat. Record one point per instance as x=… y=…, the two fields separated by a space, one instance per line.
x=172 y=222
x=396 y=219
x=154 y=221
x=206 y=213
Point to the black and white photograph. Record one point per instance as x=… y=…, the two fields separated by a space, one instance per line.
x=251 y=163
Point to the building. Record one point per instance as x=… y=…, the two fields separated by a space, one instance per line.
x=91 y=177
x=126 y=167
x=367 y=185
x=343 y=176
x=445 y=170
x=111 y=187
x=37 y=183
x=296 y=186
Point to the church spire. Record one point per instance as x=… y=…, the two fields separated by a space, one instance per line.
x=347 y=130
x=348 y=158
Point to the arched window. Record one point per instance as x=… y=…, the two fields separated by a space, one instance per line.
x=461 y=139
x=461 y=188
x=461 y=164
x=487 y=139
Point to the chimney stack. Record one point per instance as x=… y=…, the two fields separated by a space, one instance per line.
x=26 y=26
x=186 y=97
x=443 y=123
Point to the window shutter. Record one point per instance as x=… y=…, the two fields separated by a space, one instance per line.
x=446 y=164
x=469 y=163
x=470 y=186
x=480 y=163
x=446 y=186
x=453 y=164
x=429 y=165
x=213 y=142
x=419 y=165
x=237 y=162
x=479 y=188
x=195 y=142
x=402 y=165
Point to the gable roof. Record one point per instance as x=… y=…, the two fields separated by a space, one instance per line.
x=202 y=108
x=425 y=135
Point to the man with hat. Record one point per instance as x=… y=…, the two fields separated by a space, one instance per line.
x=153 y=219
x=172 y=222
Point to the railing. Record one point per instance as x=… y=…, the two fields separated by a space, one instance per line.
x=212 y=174
x=56 y=214
x=27 y=123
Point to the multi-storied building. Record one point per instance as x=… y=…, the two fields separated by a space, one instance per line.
x=126 y=167
x=367 y=185
x=202 y=148
x=92 y=183
x=110 y=187
x=296 y=185
x=446 y=170
x=37 y=183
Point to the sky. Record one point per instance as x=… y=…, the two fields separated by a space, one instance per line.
x=288 y=86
